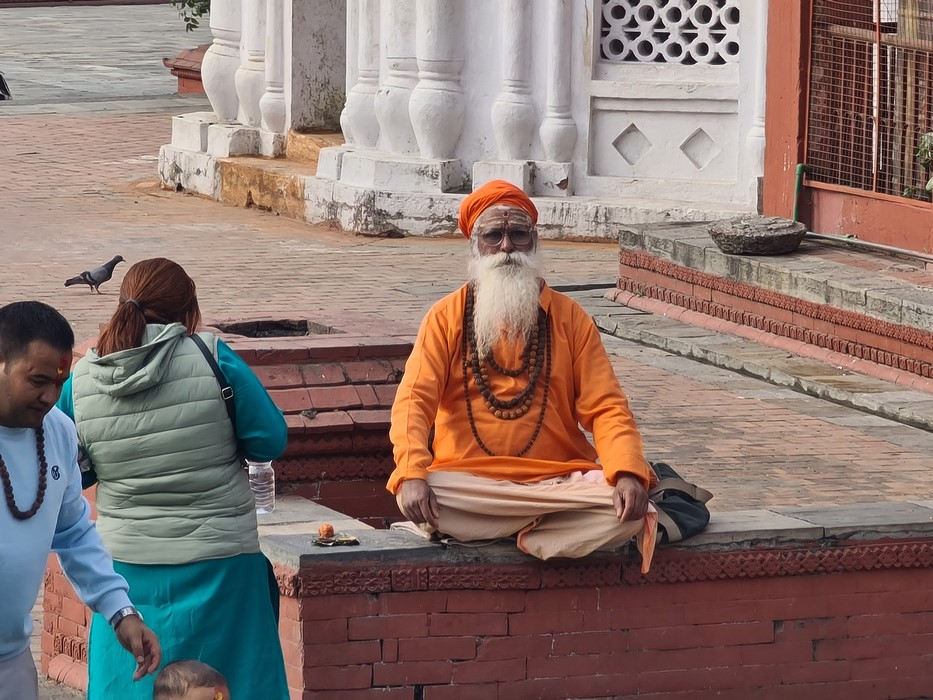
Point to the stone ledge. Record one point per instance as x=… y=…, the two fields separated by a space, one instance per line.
x=802 y=274
x=737 y=544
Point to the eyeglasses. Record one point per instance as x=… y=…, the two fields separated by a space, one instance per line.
x=519 y=236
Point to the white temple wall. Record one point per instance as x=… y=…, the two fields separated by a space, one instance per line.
x=566 y=98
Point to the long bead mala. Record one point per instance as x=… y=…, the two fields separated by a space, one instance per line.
x=518 y=406
x=43 y=481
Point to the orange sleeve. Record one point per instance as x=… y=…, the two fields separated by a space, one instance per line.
x=602 y=407
x=418 y=397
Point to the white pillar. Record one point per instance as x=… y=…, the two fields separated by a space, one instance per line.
x=755 y=139
x=513 y=112
x=558 y=131
x=353 y=39
x=218 y=69
x=251 y=75
x=392 y=99
x=272 y=104
x=360 y=108
x=437 y=103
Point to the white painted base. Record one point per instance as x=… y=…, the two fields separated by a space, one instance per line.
x=226 y=140
x=189 y=131
x=383 y=211
x=553 y=179
x=271 y=144
x=189 y=171
x=330 y=161
x=384 y=171
x=519 y=173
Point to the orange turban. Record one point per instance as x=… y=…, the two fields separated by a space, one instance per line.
x=492 y=193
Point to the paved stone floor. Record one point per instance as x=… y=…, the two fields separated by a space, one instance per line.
x=78 y=54
x=82 y=189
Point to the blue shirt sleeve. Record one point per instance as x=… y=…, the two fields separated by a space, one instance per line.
x=261 y=429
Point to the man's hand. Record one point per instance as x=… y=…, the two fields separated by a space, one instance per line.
x=630 y=498
x=417 y=502
x=142 y=643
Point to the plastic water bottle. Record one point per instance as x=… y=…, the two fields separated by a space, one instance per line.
x=262 y=484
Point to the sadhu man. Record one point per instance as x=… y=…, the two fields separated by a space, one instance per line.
x=505 y=370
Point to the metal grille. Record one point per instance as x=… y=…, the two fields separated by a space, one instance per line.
x=870 y=117
x=670 y=31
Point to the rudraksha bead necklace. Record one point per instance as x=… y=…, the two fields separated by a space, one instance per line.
x=43 y=477
x=531 y=362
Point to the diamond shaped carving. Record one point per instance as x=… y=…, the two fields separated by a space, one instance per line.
x=700 y=149
x=632 y=145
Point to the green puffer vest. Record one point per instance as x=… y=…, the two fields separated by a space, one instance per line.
x=171 y=488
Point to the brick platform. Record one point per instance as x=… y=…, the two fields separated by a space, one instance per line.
x=885 y=321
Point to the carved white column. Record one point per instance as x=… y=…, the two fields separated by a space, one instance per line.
x=558 y=131
x=353 y=37
x=755 y=139
x=360 y=108
x=251 y=75
x=392 y=99
x=513 y=112
x=272 y=104
x=218 y=69
x=437 y=104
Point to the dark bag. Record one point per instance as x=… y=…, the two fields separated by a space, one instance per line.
x=682 y=510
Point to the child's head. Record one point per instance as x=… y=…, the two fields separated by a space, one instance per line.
x=190 y=680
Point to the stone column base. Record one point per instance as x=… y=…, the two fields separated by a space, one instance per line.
x=519 y=173
x=383 y=171
x=553 y=179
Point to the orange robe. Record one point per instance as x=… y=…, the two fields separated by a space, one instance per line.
x=583 y=391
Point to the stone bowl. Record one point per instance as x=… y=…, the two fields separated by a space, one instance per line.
x=757 y=235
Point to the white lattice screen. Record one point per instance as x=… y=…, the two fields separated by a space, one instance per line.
x=670 y=31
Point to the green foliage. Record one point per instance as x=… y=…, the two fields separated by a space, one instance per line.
x=191 y=11
x=925 y=158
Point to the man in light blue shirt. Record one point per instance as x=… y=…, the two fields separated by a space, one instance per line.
x=43 y=510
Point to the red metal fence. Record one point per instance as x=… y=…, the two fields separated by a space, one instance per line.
x=870 y=111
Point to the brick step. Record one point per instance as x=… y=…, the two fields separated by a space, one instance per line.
x=862 y=305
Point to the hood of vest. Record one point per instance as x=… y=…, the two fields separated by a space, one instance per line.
x=130 y=371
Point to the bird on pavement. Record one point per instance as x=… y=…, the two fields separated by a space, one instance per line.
x=96 y=276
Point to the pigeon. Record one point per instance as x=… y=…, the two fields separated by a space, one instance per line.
x=96 y=276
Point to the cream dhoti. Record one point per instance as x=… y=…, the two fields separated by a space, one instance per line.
x=569 y=516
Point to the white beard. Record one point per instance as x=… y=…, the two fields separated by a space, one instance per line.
x=505 y=306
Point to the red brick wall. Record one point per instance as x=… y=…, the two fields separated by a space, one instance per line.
x=65 y=625
x=859 y=635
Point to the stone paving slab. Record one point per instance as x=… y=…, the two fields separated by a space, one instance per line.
x=868 y=519
x=754 y=526
x=76 y=54
x=775 y=365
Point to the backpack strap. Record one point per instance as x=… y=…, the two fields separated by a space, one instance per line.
x=670 y=527
x=695 y=492
x=226 y=391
